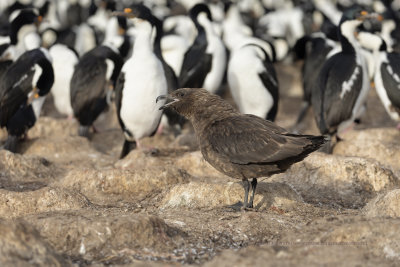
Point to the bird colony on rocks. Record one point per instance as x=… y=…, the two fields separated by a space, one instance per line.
x=129 y=130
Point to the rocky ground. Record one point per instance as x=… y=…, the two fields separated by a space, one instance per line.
x=67 y=201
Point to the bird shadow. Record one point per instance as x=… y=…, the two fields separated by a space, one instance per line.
x=24 y=145
x=271 y=191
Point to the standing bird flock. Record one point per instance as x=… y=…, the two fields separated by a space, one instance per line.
x=89 y=54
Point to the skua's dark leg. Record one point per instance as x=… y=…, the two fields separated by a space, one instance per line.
x=253 y=187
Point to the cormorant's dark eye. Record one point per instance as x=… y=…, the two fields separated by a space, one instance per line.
x=181 y=94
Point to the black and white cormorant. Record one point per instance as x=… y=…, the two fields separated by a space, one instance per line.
x=386 y=73
x=143 y=12
x=253 y=82
x=205 y=61
x=342 y=85
x=22 y=93
x=316 y=49
x=94 y=78
x=141 y=81
x=24 y=31
x=23 y=36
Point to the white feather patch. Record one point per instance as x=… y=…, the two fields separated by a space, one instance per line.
x=63 y=66
x=110 y=68
x=347 y=85
x=36 y=75
x=20 y=80
x=37 y=104
x=394 y=75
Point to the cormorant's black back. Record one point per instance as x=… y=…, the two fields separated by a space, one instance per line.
x=89 y=85
x=17 y=82
x=391 y=86
x=333 y=110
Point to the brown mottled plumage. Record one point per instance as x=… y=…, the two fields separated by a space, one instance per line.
x=241 y=146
